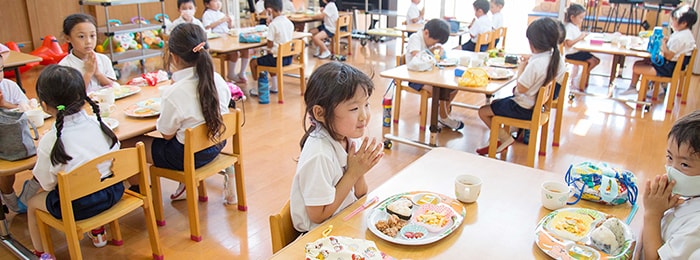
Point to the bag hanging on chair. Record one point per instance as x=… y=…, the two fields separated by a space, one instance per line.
x=16 y=142
x=599 y=182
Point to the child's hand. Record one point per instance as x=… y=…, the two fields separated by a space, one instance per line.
x=365 y=158
x=90 y=63
x=658 y=196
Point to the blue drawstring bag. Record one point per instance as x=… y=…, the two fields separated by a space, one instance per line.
x=654 y=47
x=601 y=183
x=248 y=38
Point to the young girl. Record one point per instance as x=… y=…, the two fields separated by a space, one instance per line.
x=574 y=18
x=218 y=22
x=544 y=65
x=80 y=31
x=332 y=164
x=681 y=41
x=325 y=30
x=76 y=138
x=187 y=9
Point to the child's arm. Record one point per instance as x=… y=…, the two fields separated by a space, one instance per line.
x=668 y=54
x=657 y=199
x=4 y=104
x=358 y=164
x=569 y=43
x=226 y=19
x=91 y=70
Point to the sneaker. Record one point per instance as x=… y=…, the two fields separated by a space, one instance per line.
x=317 y=51
x=98 y=237
x=234 y=78
x=253 y=92
x=274 y=90
x=631 y=91
x=179 y=193
x=451 y=123
x=242 y=78
x=501 y=146
x=325 y=55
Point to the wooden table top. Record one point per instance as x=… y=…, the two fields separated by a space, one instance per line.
x=445 y=77
x=411 y=28
x=610 y=48
x=499 y=225
x=228 y=43
x=128 y=127
x=16 y=59
x=305 y=18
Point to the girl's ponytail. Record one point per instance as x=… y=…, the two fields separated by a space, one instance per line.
x=58 y=153
x=105 y=129
x=208 y=94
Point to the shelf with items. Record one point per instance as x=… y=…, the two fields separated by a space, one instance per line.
x=117 y=2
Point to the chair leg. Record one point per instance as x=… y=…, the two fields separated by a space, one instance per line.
x=202 y=191
x=642 y=94
x=116 y=233
x=152 y=230
x=544 y=137
x=686 y=88
x=302 y=79
x=583 y=83
x=280 y=87
x=655 y=91
x=493 y=138
x=532 y=146
x=73 y=243
x=396 y=103
x=157 y=200
x=423 y=110
x=557 y=124
x=192 y=209
x=240 y=187
x=671 y=95
x=349 y=46
x=45 y=235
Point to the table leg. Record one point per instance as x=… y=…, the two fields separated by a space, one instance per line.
x=18 y=78
x=9 y=242
x=434 y=113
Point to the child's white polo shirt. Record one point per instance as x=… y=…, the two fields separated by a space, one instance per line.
x=680 y=230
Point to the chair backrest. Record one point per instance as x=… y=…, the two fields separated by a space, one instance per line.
x=558 y=102
x=543 y=104
x=400 y=60
x=197 y=138
x=689 y=68
x=291 y=48
x=498 y=34
x=86 y=179
x=482 y=39
x=254 y=18
x=282 y=229
x=343 y=21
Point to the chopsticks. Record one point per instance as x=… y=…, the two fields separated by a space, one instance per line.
x=632 y=213
x=361 y=208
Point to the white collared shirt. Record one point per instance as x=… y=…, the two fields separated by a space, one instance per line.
x=533 y=77
x=280 y=31
x=210 y=16
x=180 y=20
x=331 y=17
x=11 y=93
x=481 y=25
x=681 y=42
x=104 y=65
x=680 y=230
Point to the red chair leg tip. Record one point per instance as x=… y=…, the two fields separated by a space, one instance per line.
x=158 y=257
x=196 y=238
x=555 y=144
x=280 y=102
x=668 y=111
x=242 y=208
x=422 y=128
x=683 y=102
x=396 y=121
x=160 y=223
x=654 y=99
x=542 y=153
x=117 y=242
x=203 y=198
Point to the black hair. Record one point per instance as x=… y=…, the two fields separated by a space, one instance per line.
x=498 y=2
x=483 y=5
x=206 y=2
x=687 y=131
x=438 y=29
x=184 y=42
x=72 y=20
x=276 y=5
x=63 y=88
x=181 y=2
x=329 y=85
x=573 y=10
x=685 y=14
x=543 y=35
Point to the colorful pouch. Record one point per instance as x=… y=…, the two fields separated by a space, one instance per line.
x=599 y=182
x=336 y=247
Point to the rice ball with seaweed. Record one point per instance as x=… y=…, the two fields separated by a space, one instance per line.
x=402 y=208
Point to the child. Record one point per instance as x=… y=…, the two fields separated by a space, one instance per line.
x=11 y=96
x=414 y=14
x=76 y=138
x=573 y=18
x=288 y=7
x=681 y=41
x=187 y=9
x=4 y=51
x=218 y=22
x=435 y=33
x=80 y=31
x=480 y=24
x=198 y=96
x=672 y=201
x=544 y=65
x=497 y=16
x=333 y=161
x=325 y=30
x=279 y=32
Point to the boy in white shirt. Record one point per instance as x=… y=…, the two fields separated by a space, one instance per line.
x=288 y=7
x=187 y=9
x=497 y=16
x=279 y=32
x=325 y=30
x=414 y=14
x=481 y=24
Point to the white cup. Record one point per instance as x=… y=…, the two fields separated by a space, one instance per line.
x=467 y=188
x=465 y=61
x=105 y=95
x=36 y=117
x=106 y=109
x=555 y=194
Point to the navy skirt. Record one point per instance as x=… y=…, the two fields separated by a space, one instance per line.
x=89 y=205
x=170 y=154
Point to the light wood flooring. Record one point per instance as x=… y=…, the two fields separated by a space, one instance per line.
x=593 y=130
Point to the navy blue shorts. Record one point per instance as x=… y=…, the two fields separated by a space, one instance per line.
x=170 y=154
x=271 y=61
x=87 y=206
x=470 y=46
x=580 y=56
x=508 y=108
x=557 y=87
x=323 y=28
x=666 y=70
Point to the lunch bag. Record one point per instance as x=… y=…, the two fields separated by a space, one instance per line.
x=336 y=247
x=599 y=182
x=16 y=142
x=423 y=61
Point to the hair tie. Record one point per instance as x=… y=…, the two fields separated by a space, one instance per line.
x=198 y=47
x=61 y=107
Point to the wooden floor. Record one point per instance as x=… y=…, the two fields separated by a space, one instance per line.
x=593 y=130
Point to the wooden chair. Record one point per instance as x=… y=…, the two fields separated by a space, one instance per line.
x=85 y=180
x=403 y=86
x=343 y=21
x=558 y=104
x=540 y=118
x=675 y=82
x=291 y=48
x=482 y=39
x=583 y=82
x=197 y=139
x=685 y=78
x=282 y=229
x=499 y=33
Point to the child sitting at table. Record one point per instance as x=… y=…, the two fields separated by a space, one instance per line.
x=681 y=41
x=496 y=16
x=279 y=32
x=435 y=33
x=75 y=138
x=480 y=24
x=414 y=14
x=218 y=22
x=333 y=161
x=4 y=51
x=672 y=201
x=325 y=30
x=80 y=31
x=187 y=9
x=544 y=65
x=574 y=18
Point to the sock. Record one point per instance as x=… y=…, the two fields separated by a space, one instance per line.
x=10 y=200
x=244 y=65
x=231 y=73
x=503 y=135
x=29 y=190
x=273 y=82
